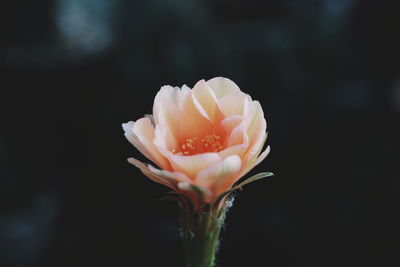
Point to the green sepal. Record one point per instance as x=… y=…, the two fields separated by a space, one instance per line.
x=240 y=186
x=253 y=178
x=199 y=192
x=185 y=201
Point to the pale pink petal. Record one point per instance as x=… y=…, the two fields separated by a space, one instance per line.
x=164 y=137
x=233 y=104
x=250 y=165
x=174 y=109
x=238 y=136
x=256 y=131
x=200 y=108
x=233 y=150
x=248 y=102
x=192 y=122
x=134 y=140
x=191 y=165
x=255 y=146
x=140 y=134
x=216 y=176
x=145 y=170
x=144 y=130
x=205 y=100
x=229 y=123
x=177 y=177
x=222 y=86
x=166 y=105
x=254 y=117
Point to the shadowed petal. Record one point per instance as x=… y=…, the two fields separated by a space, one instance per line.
x=177 y=177
x=145 y=170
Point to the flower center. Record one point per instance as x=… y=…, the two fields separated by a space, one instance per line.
x=192 y=146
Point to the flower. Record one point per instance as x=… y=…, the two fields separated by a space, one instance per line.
x=203 y=139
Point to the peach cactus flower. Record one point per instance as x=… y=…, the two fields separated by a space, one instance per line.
x=205 y=138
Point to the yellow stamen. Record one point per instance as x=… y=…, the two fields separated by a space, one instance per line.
x=210 y=143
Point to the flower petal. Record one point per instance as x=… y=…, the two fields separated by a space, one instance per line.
x=256 y=131
x=251 y=164
x=141 y=134
x=222 y=86
x=206 y=101
x=191 y=165
x=166 y=105
x=217 y=176
x=238 y=136
x=233 y=104
x=164 y=137
x=155 y=178
x=255 y=146
x=193 y=122
x=177 y=177
x=254 y=118
x=233 y=150
x=229 y=123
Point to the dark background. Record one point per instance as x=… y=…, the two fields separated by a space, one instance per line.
x=325 y=71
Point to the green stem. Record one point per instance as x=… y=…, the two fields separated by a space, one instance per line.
x=200 y=235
